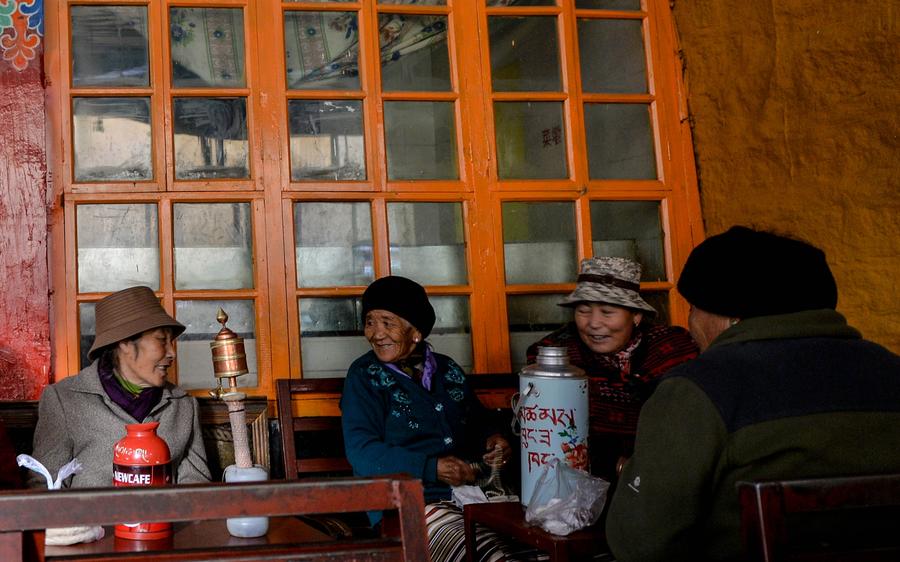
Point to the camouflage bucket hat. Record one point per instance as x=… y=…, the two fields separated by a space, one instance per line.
x=609 y=280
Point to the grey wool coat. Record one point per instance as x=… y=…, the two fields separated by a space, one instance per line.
x=76 y=418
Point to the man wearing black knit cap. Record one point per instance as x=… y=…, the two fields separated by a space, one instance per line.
x=783 y=388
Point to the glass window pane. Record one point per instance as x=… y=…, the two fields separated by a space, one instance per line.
x=111 y=139
x=660 y=301
x=428 y=242
x=612 y=56
x=213 y=246
x=608 y=4
x=211 y=138
x=321 y=50
x=630 y=229
x=417 y=2
x=520 y=3
x=118 y=247
x=452 y=333
x=524 y=54
x=531 y=140
x=414 y=53
x=207 y=47
x=539 y=242
x=87 y=330
x=620 y=141
x=109 y=46
x=331 y=336
x=327 y=140
x=530 y=318
x=195 y=368
x=421 y=140
x=333 y=244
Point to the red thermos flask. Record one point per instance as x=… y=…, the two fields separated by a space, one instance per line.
x=141 y=458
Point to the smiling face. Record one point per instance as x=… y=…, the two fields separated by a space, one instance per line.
x=391 y=337
x=145 y=361
x=605 y=328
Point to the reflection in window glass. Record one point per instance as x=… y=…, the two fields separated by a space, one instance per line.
x=427 y=242
x=539 y=242
x=660 y=301
x=207 y=47
x=418 y=2
x=608 y=4
x=333 y=244
x=452 y=333
x=630 y=229
x=531 y=140
x=414 y=53
x=195 y=368
x=321 y=50
x=612 y=56
x=211 y=138
x=118 y=247
x=327 y=140
x=331 y=335
x=520 y=3
x=524 y=54
x=530 y=318
x=111 y=139
x=620 y=141
x=213 y=246
x=87 y=330
x=109 y=46
x=421 y=140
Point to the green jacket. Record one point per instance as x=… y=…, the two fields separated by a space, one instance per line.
x=795 y=395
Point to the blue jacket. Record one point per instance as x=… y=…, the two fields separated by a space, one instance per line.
x=392 y=424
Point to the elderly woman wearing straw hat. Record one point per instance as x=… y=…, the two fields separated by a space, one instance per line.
x=83 y=416
x=408 y=409
x=621 y=351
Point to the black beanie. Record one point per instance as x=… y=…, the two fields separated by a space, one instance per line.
x=744 y=273
x=404 y=297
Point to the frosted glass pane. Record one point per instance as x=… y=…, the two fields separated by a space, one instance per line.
x=421 y=140
x=414 y=54
x=608 y=4
x=111 y=139
x=327 y=140
x=531 y=140
x=109 y=46
x=211 y=138
x=213 y=246
x=428 y=242
x=87 y=330
x=118 y=247
x=321 y=50
x=612 y=56
x=630 y=229
x=620 y=141
x=539 y=242
x=530 y=318
x=333 y=244
x=195 y=368
x=524 y=54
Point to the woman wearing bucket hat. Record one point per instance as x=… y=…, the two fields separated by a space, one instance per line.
x=408 y=409
x=621 y=351
x=85 y=415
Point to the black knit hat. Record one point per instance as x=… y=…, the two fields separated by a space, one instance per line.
x=404 y=297
x=744 y=273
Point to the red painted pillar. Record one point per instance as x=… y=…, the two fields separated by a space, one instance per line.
x=24 y=276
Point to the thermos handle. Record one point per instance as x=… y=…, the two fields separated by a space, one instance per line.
x=517 y=401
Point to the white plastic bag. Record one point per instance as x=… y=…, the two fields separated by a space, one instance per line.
x=565 y=499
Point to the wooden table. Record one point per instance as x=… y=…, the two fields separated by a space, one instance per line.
x=198 y=540
x=508 y=518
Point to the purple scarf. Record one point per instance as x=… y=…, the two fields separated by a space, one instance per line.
x=138 y=406
x=425 y=368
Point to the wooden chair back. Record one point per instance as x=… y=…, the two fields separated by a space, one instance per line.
x=291 y=425
x=23 y=511
x=823 y=519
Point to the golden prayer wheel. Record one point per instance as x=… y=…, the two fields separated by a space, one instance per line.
x=229 y=361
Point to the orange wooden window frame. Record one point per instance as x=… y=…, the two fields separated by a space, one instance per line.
x=271 y=191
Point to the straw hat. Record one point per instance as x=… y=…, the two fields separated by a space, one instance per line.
x=609 y=280
x=127 y=313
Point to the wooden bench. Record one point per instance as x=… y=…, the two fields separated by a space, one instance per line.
x=23 y=511
x=822 y=519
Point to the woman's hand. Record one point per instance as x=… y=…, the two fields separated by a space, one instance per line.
x=454 y=471
x=498 y=450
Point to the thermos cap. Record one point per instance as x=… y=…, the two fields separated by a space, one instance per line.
x=552 y=362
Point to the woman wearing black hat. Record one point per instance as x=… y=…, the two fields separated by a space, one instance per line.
x=408 y=409
x=84 y=415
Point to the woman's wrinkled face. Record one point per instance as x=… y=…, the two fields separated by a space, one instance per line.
x=146 y=360
x=391 y=337
x=605 y=328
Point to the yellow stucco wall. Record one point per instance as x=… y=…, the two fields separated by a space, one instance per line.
x=796 y=123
